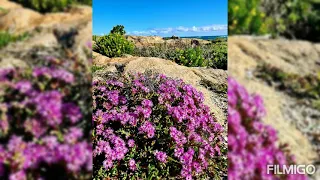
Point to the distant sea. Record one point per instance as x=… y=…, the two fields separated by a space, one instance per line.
x=206 y=37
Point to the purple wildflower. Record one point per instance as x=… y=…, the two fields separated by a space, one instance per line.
x=161 y=156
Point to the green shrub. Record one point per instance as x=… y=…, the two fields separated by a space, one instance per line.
x=6 y=38
x=246 y=18
x=215 y=54
x=113 y=45
x=192 y=57
x=118 y=29
x=289 y=18
x=51 y=5
x=294 y=18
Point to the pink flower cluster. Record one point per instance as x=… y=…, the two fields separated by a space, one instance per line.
x=39 y=125
x=147 y=128
x=251 y=144
x=161 y=156
x=53 y=73
x=149 y=120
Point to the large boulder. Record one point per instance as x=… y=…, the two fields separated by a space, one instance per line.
x=145 y=40
x=19 y=20
x=7 y=5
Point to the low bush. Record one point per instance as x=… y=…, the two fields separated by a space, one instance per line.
x=294 y=19
x=217 y=54
x=164 y=50
x=113 y=45
x=247 y=18
x=251 y=144
x=148 y=126
x=52 y=5
x=192 y=57
x=209 y=55
x=6 y=38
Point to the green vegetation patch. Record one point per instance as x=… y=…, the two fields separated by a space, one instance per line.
x=289 y=18
x=307 y=86
x=113 y=45
x=6 y=38
x=45 y=6
x=214 y=55
x=95 y=68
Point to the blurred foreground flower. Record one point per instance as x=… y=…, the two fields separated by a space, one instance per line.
x=251 y=144
x=44 y=133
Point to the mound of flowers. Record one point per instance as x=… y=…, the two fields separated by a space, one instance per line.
x=151 y=126
x=251 y=144
x=43 y=134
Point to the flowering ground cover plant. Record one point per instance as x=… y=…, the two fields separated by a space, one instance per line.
x=149 y=126
x=43 y=134
x=251 y=144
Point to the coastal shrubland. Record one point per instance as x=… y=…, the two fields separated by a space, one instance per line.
x=212 y=54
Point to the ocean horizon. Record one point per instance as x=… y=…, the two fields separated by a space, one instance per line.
x=204 y=37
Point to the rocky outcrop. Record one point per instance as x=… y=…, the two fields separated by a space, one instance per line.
x=18 y=19
x=283 y=111
x=211 y=82
x=299 y=57
x=48 y=30
x=145 y=40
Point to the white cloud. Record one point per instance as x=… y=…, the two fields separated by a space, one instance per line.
x=182 y=29
x=164 y=31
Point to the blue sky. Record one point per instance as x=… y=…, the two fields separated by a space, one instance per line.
x=162 y=17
